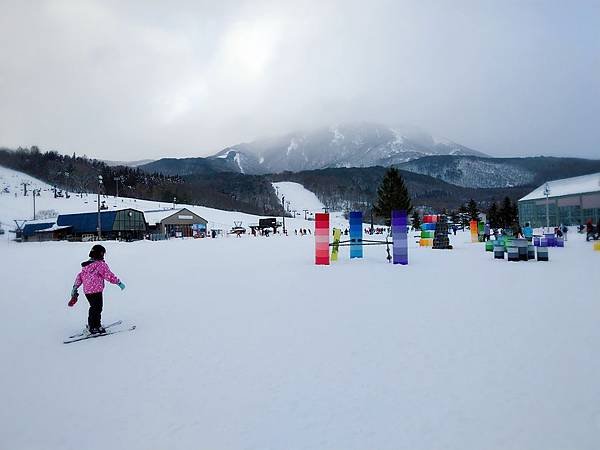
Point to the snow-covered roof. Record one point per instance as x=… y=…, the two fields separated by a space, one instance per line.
x=53 y=228
x=50 y=220
x=567 y=186
x=156 y=216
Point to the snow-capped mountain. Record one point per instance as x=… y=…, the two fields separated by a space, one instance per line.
x=343 y=145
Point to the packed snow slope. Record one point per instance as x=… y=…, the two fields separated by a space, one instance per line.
x=243 y=343
x=301 y=199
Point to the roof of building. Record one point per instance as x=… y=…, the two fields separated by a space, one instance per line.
x=567 y=186
x=54 y=227
x=33 y=226
x=157 y=216
x=88 y=222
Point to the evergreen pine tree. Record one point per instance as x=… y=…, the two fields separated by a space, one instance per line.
x=506 y=213
x=455 y=217
x=492 y=216
x=416 y=220
x=472 y=210
x=515 y=213
x=391 y=194
x=464 y=215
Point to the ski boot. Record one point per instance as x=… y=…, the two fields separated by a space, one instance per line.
x=96 y=330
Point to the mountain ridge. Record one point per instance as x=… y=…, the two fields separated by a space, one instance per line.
x=360 y=144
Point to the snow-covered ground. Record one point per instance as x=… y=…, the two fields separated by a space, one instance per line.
x=246 y=344
x=243 y=343
x=301 y=199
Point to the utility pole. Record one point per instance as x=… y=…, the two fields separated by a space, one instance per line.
x=305 y=213
x=283 y=203
x=547 y=194
x=35 y=192
x=25 y=184
x=99 y=220
x=174 y=202
x=68 y=184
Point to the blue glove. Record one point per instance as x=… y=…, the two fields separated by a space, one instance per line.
x=121 y=285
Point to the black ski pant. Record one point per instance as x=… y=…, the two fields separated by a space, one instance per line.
x=95 y=313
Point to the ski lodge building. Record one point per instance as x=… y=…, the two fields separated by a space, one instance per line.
x=42 y=230
x=571 y=201
x=127 y=224
x=175 y=223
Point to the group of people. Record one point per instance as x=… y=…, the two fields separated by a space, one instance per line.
x=516 y=231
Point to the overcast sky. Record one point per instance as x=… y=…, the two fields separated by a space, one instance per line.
x=144 y=79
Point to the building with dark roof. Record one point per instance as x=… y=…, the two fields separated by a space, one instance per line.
x=30 y=229
x=128 y=224
x=176 y=222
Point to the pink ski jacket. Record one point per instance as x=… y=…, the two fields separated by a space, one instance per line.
x=92 y=277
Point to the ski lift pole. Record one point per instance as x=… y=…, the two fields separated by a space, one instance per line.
x=283 y=216
x=99 y=220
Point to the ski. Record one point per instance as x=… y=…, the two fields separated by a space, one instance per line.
x=97 y=335
x=85 y=331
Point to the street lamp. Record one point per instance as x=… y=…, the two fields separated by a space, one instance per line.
x=547 y=194
x=99 y=221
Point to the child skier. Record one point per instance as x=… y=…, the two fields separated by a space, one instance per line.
x=93 y=273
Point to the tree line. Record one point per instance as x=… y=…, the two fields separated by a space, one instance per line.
x=79 y=174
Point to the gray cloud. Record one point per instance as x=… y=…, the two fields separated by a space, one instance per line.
x=128 y=80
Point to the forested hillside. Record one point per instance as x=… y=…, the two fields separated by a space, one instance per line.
x=227 y=191
x=356 y=188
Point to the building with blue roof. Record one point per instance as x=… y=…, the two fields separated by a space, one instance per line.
x=128 y=224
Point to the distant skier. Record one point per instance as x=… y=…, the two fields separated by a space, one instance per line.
x=93 y=273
